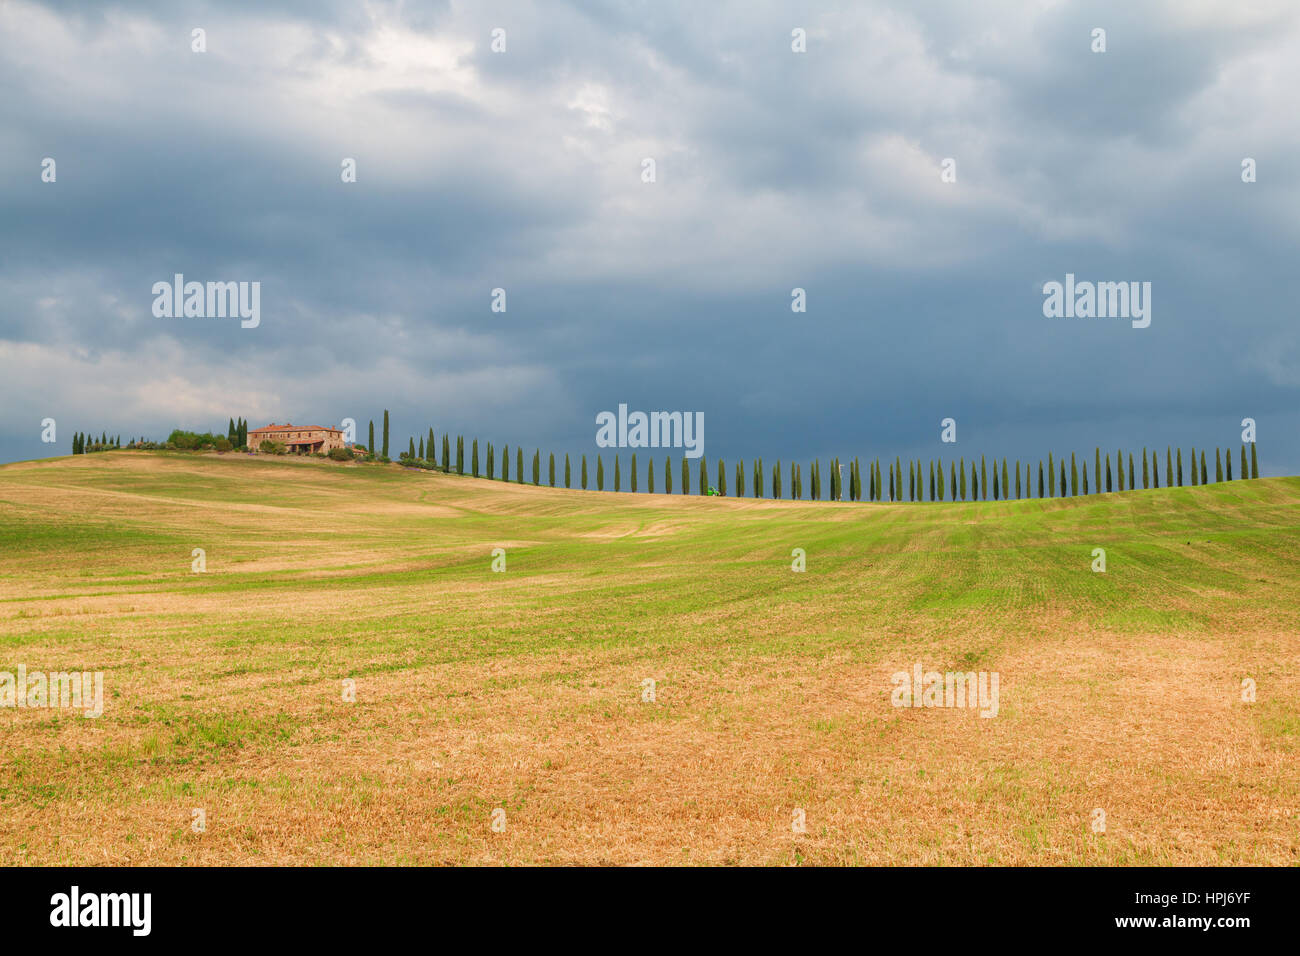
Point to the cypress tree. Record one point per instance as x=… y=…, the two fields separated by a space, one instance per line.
x=722 y=477
x=776 y=479
x=633 y=476
x=385 y=451
x=974 y=482
x=1227 y=456
x=491 y=462
x=1040 y=478
x=1218 y=464
x=1074 y=477
x=432 y=449
x=519 y=463
x=410 y=451
x=1131 y=485
x=505 y=464
x=686 y=476
x=473 y=462
x=1180 y=468
x=871 y=482
x=537 y=469
x=1006 y=488
x=1119 y=467
x=446 y=454
x=1109 y=486
x=962 y=483
x=460 y=454
x=984 y=478
x=567 y=473
x=704 y=476
x=952 y=479
x=995 y=482
x=911 y=481
x=550 y=469
x=1146 y=475
x=1195 y=471
x=1205 y=475
x=740 y=478
x=758 y=477
x=668 y=474
x=932 y=477
x=1245 y=472
x=231 y=434
x=583 y=477
x=1155 y=471
x=1051 y=475
x=898 y=476
x=1062 y=477
x=1018 y=495
x=1085 y=478
x=1096 y=469
x=650 y=476
x=1254 y=462
x=600 y=473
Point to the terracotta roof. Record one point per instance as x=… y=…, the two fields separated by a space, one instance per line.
x=293 y=428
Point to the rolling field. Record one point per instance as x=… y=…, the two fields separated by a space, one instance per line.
x=523 y=690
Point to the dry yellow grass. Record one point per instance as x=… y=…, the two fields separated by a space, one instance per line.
x=523 y=690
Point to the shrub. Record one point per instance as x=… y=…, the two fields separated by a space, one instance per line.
x=269 y=447
x=340 y=454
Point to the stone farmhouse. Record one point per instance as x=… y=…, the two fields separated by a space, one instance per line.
x=298 y=439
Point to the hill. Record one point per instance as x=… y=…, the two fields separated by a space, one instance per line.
x=527 y=690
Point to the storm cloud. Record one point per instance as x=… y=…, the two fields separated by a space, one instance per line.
x=775 y=170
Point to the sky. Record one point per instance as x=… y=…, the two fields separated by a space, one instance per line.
x=523 y=169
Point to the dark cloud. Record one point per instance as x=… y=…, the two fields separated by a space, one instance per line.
x=775 y=170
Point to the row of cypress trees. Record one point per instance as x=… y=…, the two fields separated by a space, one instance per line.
x=1053 y=481
x=82 y=443
x=932 y=483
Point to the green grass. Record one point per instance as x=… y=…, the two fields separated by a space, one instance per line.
x=524 y=687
